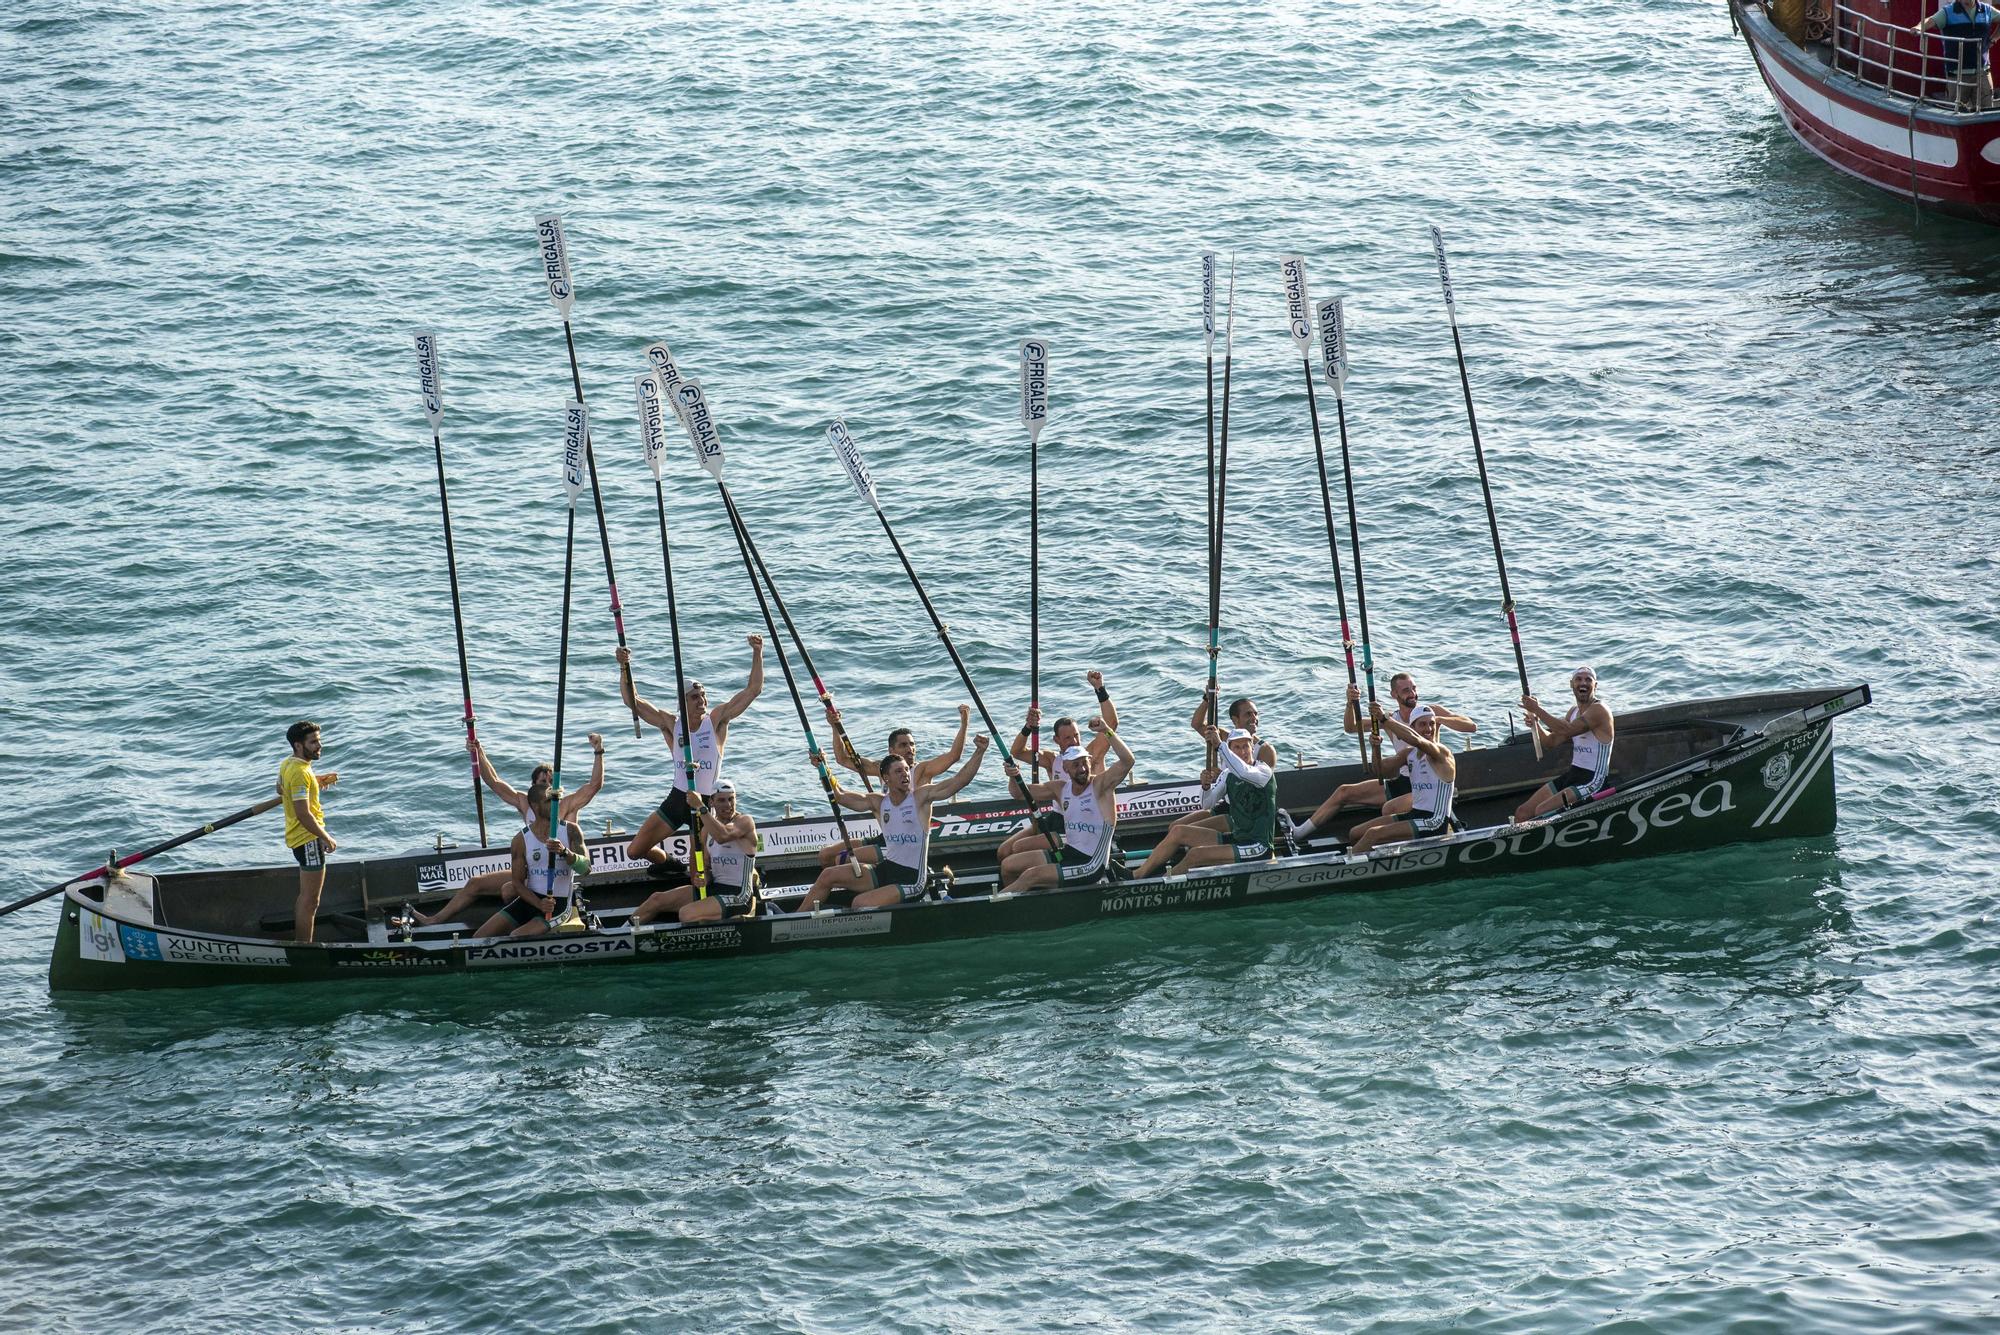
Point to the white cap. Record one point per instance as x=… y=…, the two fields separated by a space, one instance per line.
x=725 y=786
x=1240 y=735
x=1422 y=711
x=1073 y=753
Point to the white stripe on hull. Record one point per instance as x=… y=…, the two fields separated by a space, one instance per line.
x=1892 y=138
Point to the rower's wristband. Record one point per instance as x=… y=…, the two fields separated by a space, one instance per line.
x=1103 y=695
x=1025 y=731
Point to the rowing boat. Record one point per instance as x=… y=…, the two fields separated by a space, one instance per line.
x=1687 y=777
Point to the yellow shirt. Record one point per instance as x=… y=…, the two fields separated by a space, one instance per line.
x=297 y=780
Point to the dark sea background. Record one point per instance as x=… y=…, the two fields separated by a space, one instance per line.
x=1740 y=415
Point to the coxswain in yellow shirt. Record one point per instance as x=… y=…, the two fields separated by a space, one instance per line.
x=305 y=823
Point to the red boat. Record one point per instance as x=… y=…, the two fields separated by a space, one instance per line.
x=1874 y=99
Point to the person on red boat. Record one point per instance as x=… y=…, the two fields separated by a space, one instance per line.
x=549 y=858
x=732 y=861
x=493 y=884
x=1967 y=27
x=1589 y=729
x=1390 y=793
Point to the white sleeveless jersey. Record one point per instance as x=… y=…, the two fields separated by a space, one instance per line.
x=728 y=864
x=539 y=879
x=1586 y=752
x=1085 y=826
x=906 y=833
x=707 y=757
x=1429 y=790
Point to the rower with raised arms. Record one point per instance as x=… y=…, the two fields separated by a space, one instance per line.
x=902 y=742
x=1088 y=800
x=1067 y=736
x=1243 y=715
x=1433 y=780
x=1590 y=729
x=730 y=837
x=707 y=742
x=1389 y=793
x=1250 y=786
x=903 y=808
x=548 y=862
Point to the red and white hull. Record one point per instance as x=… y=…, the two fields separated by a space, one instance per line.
x=1944 y=159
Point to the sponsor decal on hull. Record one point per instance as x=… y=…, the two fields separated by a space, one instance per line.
x=1335 y=873
x=692 y=940
x=550 y=950
x=142 y=944
x=605 y=855
x=798 y=838
x=831 y=928
x=390 y=957
x=97 y=938
x=1148 y=898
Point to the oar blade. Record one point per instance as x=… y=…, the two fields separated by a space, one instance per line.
x=576 y=430
x=1208 y=301
x=652 y=421
x=1298 y=306
x=662 y=362
x=1444 y=270
x=701 y=428
x=1034 y=386
x=427 y=377
x=555 y=262
x=1333 y=343
x=849 y=454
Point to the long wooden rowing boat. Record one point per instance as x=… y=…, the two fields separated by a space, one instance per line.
x=1686 y=777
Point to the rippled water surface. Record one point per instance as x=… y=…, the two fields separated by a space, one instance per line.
x=1740 y=413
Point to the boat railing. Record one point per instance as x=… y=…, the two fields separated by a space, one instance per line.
x=1920 y=66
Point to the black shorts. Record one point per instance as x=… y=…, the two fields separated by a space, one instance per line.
x=311 y=855
x=907 y=880
x=1424 y=823
x=1584 y=781
x=520 y=912
x=1397 y=785
x=674 y=810
x=734 y=902
x=1079 y=868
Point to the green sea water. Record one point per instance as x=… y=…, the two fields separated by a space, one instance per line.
x=1740 y=417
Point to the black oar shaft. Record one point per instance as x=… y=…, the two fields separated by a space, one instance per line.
x=562 y=677
x=1034 y=603
x=1215 y=559
x=1332 y=538
x=1492 y=520
x=458 y=630
x=130 y=858
x=697 y=845
x=1360 y=584
x=603 y=530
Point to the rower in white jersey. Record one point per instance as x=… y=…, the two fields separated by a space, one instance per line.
x=1390 y=791
x=1089 y=805
x=546 y=868
x=903 y=808
x=731 y=843
x=1589 y=729
x=1433 y=781
x=709 y=738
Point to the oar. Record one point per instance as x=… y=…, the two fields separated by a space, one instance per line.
x=576 y=431
x=1298 y=317
x=562 y=294
x=1208 y=341
x=433 y=392
x=1221 y=495
x=701 y=428
x=849 y=452
x=653 y=438
x=1485 y=487
x=1034 y=415
x=116 y=863
x=1333 y=351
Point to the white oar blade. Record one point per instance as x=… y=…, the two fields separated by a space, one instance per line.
x=576 y=434
x=427 y=377
x=843 y=444
x=1333 y=342
x=670 y=375
x=1298 y=306
x=555 y=262
x=700 y=424
x=1444 y=271
x=1208 y=301
x=652 y=421
x=1034 y=386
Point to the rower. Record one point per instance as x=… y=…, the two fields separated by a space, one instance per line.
x=708 y=741
x=492 y=884
x=1033 y=835
x=1089 y=804
x=903 y=808
x=731 y=837
x=547 y=865
x=902 y=742
x=1390 y=790
x=1250 y=786
x=1589 y=729
x=1433 y=778
x=1244 y=716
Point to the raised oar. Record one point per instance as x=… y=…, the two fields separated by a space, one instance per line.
x=1298 y=318
x=653 y=437
x=844 y=446
x=1208 y=356
x=700 y=424
x=1034 y=415
x=1333 y=351
x=433 y=392
x=1215 y=528
x=116 y=863
x=562 y=294
x=576 y=431
x=1485 y=487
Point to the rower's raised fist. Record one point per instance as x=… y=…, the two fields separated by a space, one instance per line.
x=756 y=644
x=1096 y=723
x=965 y=713
x=981 y=742
x=596 y=740
x=1096 y=680
x=624 y=656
